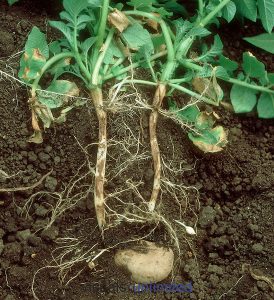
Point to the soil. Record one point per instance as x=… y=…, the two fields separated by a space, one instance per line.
x=228 y=195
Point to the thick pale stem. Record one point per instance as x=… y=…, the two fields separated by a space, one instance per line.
x=155 y=151
x=99 y=199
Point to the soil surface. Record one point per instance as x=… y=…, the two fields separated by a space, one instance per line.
x=49 y=234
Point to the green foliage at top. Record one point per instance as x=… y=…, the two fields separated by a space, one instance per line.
x=100 y=42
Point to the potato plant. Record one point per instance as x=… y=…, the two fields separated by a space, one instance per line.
x=105 y=41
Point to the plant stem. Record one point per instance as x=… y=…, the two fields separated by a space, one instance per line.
x=103 y=24
x=47 y=65
x=143 y=82
x=135 y=65
x=99 y=199
x=248 y=85
x=78 y=57
x=159 y=96
x=101 y=32
x=201 y=7
x=212 y=14
x=193 y=66
x=154 y=77
x=95 y=75
x=192 y=94
x=181 y=80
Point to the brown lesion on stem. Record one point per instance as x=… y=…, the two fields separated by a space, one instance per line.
x=155 y=151
x=99 y=199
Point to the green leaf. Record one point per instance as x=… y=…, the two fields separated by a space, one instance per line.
x=67 y=17
x=266 y=12
x=37 y=40
x=75 y=7
x=144 y=52
x=188 y=114
x=136 y=36
x=35 y=56
x=206 y=71
x=55 y=47
x=83 y=20
x=247 y=8
x=265 y=106
x=11 y=2
x=158 y=40
x=210 y=140
x=142 y=5
x=243 y=99
x=95 y=3
x=59 y=68
x=64 y=87
x=182 y=27
x=221 y=72
x=215 y=50
x=271 y=78
x=198 y=31
x=252 y=67
x=229 y=11
x=87 y=44
x=162 y=12
x=264 y=41
x=173 y=6
x=227 y=64
x=64 y=29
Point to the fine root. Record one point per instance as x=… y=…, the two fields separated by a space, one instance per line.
x=25 y=188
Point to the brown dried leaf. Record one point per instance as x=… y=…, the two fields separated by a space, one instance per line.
x=204 y=86
x=153 y=23
x=34 y=121
x=118 y=19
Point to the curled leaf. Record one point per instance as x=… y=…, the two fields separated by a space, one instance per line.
x=210 y=140
x=58 y=93
x=208 y=88
x=36 y=138
x=55 y=96
x=118 y=19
